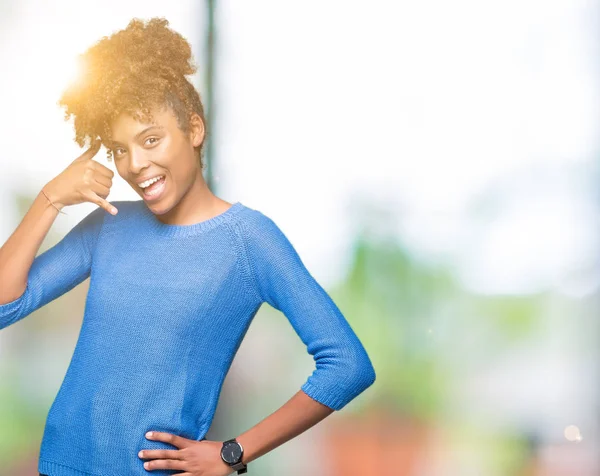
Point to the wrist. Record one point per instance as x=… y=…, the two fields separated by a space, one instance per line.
x=243 y=440
x=232 y=453
x=50 y=196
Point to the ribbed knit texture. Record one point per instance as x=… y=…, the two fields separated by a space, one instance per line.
x=166 y=311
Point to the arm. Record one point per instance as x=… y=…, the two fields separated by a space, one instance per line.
x=297 y=415
x=343 y=368
x=30 y=282
x=18 y=253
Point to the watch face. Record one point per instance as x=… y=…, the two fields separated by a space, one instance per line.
x=231 y=452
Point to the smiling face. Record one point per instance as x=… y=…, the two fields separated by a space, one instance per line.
x=144 y=151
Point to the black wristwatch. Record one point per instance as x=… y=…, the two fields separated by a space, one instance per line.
x=232 y=452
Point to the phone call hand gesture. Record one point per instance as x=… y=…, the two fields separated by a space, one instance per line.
x=84 y=180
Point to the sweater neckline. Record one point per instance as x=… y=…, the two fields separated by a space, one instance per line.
x=193 y=229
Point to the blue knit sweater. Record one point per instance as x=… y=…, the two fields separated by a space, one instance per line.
x=166 y=311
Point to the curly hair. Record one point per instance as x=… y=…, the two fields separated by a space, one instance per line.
x=134 y=70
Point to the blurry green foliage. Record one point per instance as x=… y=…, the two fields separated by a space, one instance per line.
x=21 y=422
x=410 y=316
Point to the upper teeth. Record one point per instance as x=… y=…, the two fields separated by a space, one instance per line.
x=149 y=182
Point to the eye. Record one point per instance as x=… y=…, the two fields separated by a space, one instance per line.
x=118 y=151
x=154 y=139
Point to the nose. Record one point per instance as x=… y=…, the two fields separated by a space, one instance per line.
x=138 y=161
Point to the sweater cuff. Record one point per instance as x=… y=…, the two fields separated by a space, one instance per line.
x=11 y=307
x=322 y=396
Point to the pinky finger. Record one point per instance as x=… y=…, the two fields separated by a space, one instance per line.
x=105 y=204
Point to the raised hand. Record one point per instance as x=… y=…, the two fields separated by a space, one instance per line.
x=84 y=180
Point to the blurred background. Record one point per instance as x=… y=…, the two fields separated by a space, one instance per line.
x=434 y=163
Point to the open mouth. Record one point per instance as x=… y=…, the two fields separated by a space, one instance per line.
x=155 y=190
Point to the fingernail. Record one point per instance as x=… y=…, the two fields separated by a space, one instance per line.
x=149 y=434
x=113 y=210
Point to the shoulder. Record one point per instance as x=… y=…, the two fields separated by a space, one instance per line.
x=126 y=209
x=128 y=206
x=254 y=225
x=263 y=239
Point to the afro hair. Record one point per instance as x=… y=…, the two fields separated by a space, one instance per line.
x=134 y=70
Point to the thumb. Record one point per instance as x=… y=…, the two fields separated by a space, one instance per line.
x=92 y=151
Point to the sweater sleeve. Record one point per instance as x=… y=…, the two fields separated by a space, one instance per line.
x=56 y=270
x=343 y=368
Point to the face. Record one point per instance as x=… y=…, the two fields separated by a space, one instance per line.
x=143 y=151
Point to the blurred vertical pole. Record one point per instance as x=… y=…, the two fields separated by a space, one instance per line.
x=217 y=426
x=209 y=69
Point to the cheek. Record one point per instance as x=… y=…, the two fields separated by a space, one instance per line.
x=160 y=150
x=166 y=152
x=121 y=169
x=178 y=158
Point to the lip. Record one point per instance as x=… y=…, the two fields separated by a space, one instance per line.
x=159 y=195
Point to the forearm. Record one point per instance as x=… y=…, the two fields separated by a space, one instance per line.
x=297 y=415
x=19 y=251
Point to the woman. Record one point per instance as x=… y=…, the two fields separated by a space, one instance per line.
x=176 y=279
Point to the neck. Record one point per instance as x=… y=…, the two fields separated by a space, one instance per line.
x=197 y=204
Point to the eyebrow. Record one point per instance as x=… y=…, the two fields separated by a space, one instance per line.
x=140 y=133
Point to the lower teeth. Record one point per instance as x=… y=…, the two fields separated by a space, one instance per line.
x=151 y=190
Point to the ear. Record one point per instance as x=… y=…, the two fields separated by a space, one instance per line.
x=196 y=130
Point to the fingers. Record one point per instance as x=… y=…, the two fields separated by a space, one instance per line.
x=101 y=190
x=105 y=171
x=175 y=440
x=104 y=181
x=100 y=169
x=100 y=187
x=166 y=464
x=163 y=454
x=101 y=202
x=97 y=166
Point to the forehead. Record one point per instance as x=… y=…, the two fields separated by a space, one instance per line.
x=125 y=125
